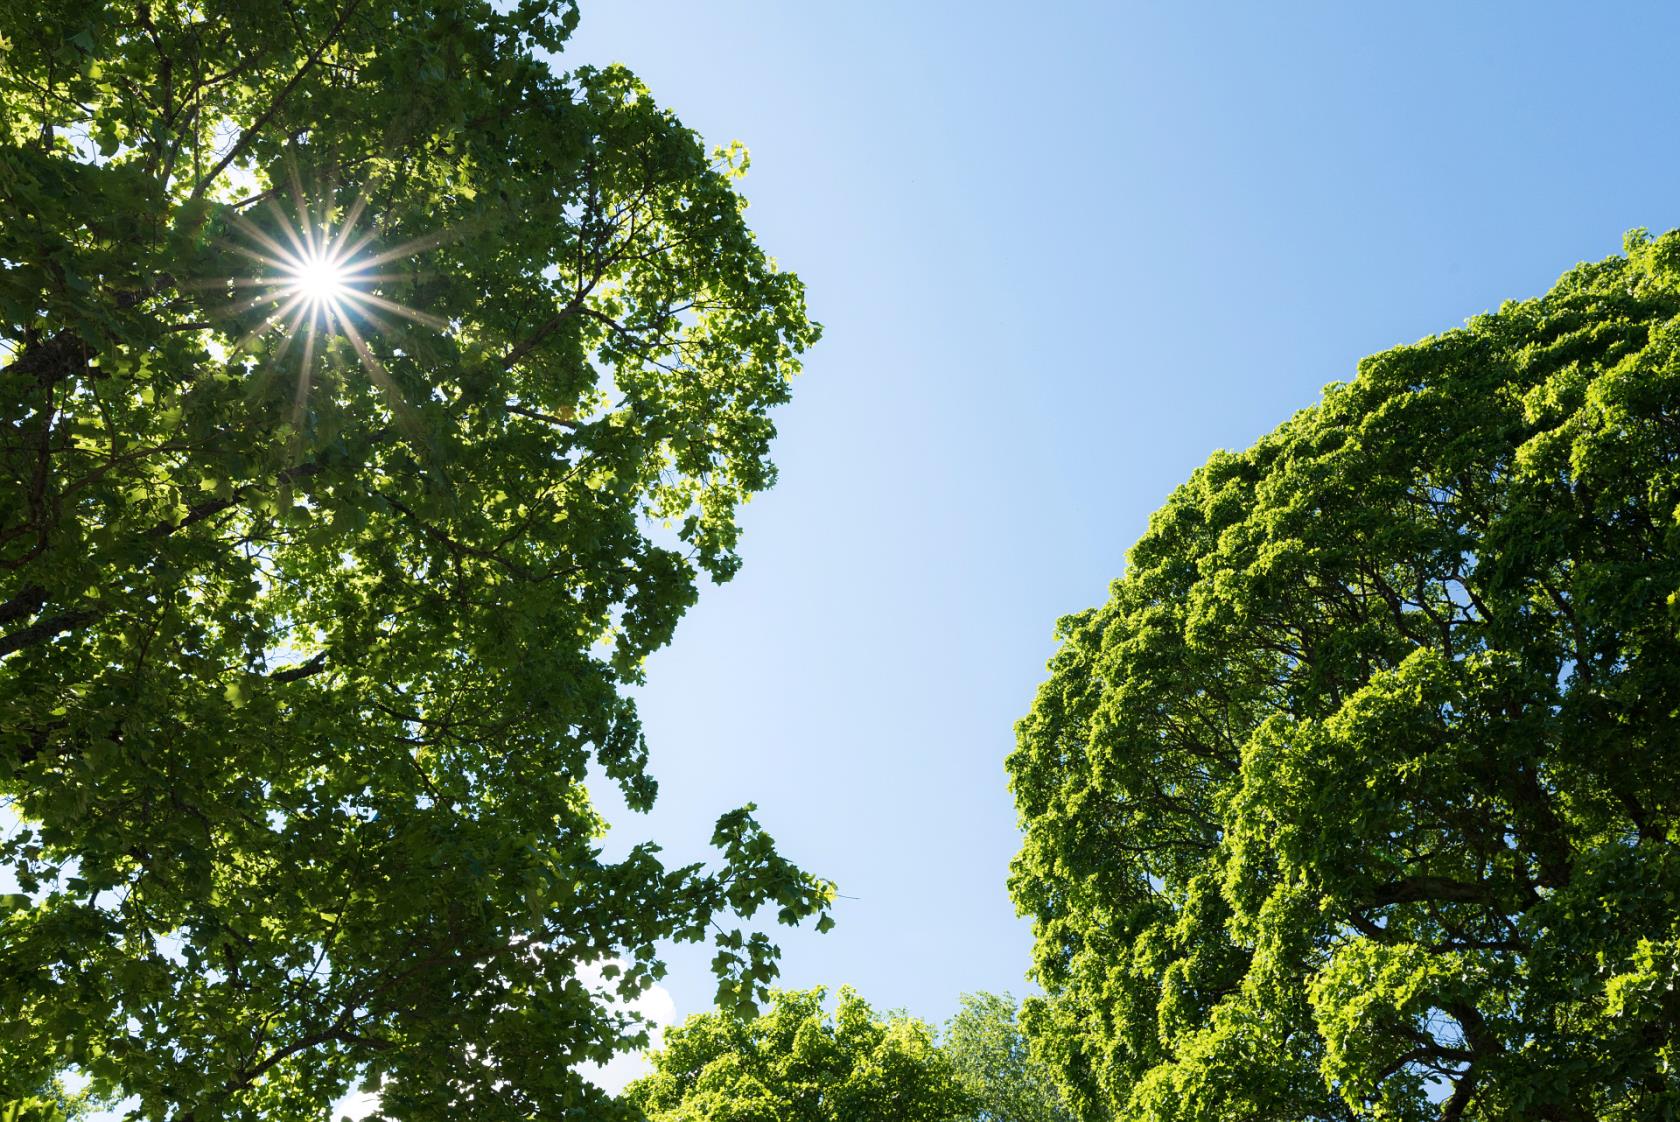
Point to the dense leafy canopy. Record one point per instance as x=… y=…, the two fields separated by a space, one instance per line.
x=984 y=1042
x=797 y=1063
x=1360 y=798
x=310 y=638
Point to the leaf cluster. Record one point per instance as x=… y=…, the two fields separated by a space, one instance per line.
x=986 y=1045
x=800 y=1063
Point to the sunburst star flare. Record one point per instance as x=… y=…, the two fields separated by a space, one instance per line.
x=316 y=279
x=320 y=278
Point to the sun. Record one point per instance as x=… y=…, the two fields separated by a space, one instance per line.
x=320 y=279
x=319 y=276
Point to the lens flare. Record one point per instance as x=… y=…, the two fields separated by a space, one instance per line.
x=322 y=280
x=318 y=275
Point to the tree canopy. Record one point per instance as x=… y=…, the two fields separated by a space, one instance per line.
x=798 y=1063
x=1359 y=797
x=319 y=595
x=985 y=1044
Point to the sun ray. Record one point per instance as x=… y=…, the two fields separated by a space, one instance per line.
x=300 y=400
x=280 y=261
x=287 y=230
x=377 y=278
x=370 y=361
x=242 y=307
x=300 y=314
x=424 y=318
x=294 y=303
x=408 y=248
x=262 y=237
x=302 y=203
x=348 y=227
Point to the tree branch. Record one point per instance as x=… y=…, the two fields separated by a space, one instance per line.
x=42 y=630
x=525 y=347
x=52 y=361
x=1463 y=1091
x=301 y=670
x=563 y=422
x=29 y=600
x=1435 y=888
x=249 y=134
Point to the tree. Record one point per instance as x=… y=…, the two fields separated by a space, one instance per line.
x=797 y=1063
x=1359 y=798
x=374 y=398
x=987 y=1047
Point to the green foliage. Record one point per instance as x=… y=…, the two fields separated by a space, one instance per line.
x=50 y=1104
x=1360 y=798
x=991 y=1056
x=797 y=1063
x=308 y=647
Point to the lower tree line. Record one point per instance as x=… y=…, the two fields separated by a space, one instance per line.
x=802 y=1061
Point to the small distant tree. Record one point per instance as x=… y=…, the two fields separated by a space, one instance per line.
x=799 y=1063
x=986 y=1046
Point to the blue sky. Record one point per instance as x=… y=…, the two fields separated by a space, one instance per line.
x=1062 y=252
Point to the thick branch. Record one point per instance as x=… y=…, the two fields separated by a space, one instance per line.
x=563 y=422
x=547 y=328
x=52 y=361
x=29 y=600
x=1423 y=1053
x=42 y=630
x=1435 y=888
x=301 y=670
x=1459 y=1102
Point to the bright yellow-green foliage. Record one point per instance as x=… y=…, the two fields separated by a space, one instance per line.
x=987 y=1047
x=797 y=1063
x=309 y=638
x=1360 y=798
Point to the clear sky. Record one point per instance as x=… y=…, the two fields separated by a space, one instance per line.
x=1062 y=252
